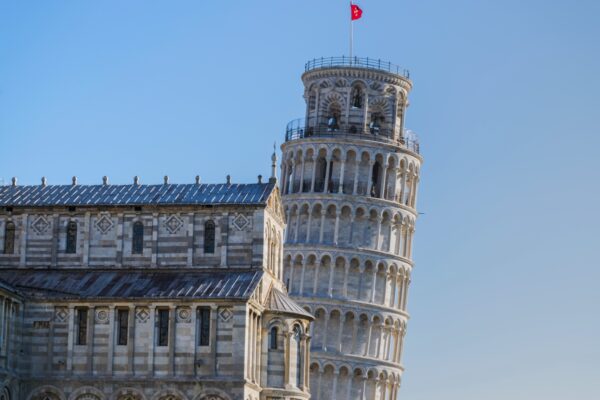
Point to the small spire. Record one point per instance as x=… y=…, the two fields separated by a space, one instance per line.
x=197 y=179
x=136 y=180
x=273 y=178
x=44 y=181
x=166 y=179
x=105 y=180
x=74 y=181
x=14 y=181
x=260 y=179
x=229 y=179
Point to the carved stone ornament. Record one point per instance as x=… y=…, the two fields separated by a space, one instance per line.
x=173 y=224
x=184 y=314
x=102 y=316
x=40 y=225
x=241 y=222
x=61 y=314
x=142 y=314
x=225 y=314
x=104 y=223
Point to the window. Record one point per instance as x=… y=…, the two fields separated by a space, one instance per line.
x=82 y=314
x=71 y=247
x=122 y=326
x=356 y=98
x=9 y=238
x=204 y=323
x=273 y=339
x=297 y=337
x=163 y=327
x=209 y=237
x=137 y=241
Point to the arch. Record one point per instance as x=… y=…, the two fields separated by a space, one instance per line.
x=137 y=238
x=47 y=392
x=209 y=237
x=212 y=394
x=273 y=336
x=87 y=393
x=9 y=238
x=169 y=394
x=128 y=394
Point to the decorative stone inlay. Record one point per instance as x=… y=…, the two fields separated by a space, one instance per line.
x=40 y=225
x=184 y=314
x=102 y=316
x=241 y=222
x=61 y=314
x=142 y=314
x=212 y=397
x=173 y=224
x=88 y=396
x=104 y=223
x=45 y=396
x=225 y=314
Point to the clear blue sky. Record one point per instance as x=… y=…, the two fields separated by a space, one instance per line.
x=505 y=294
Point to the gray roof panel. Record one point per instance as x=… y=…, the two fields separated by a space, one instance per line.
x=135 y=195
x=115 y=284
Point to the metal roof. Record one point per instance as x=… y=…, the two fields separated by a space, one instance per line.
x=135 y=195
x=279 y=302
x=86 y=284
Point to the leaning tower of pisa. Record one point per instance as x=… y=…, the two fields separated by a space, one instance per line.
x=350 y=172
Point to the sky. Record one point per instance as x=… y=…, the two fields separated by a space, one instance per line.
x=504 y=297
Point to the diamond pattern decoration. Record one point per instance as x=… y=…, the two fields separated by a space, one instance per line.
x=225 y=314
x=104 y=224
x=241 y=222
x=173 y=224
x=142 y=314
x=61 y=314
x=40 y=225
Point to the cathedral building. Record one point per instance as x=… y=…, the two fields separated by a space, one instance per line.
x=147 y=292
x=225 y=291
x=350 y=172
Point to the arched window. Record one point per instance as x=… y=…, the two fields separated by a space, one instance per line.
x=273 y=339
x=71 y=247
x=209 y=237
x=137 y=240
x=297 y=337
x=375 y=174
x=9 y=238
x=357 y=97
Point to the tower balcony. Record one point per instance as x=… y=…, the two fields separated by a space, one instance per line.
x=356 y=62
x=303 y=128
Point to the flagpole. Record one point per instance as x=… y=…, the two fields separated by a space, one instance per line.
x=351 y=33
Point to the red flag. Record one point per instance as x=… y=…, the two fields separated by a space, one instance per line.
x=355 y=12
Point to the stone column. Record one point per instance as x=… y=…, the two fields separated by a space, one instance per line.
x=370 y=178
x=383 y=181
x=304 y=261
x=356 y=169
x=322 y=229
x=337 y=226
x=327 y=172
x=314 y=172
x=341 y=185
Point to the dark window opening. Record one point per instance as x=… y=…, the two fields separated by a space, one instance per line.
x=209 y=237
x=9 y=238
x=320 y=178
x=163 y=327
x=204 y=321
x=357 y=98
x=82 y=314
x=375 y=180
x=71 y=247
x=123 y=326
x=273 y=339
x=137 y=241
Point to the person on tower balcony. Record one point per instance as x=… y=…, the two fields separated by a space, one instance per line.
x=332 y=124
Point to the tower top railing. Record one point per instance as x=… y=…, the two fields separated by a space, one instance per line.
x=302 y=128
x=358 y=62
